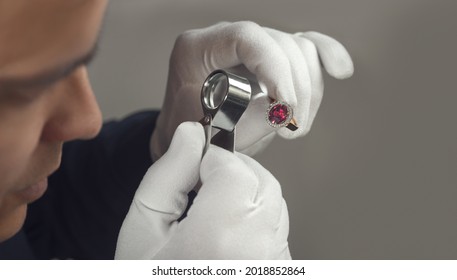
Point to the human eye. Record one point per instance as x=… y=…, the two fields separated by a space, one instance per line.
x=21 y=96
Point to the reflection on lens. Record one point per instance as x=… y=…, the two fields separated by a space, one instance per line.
x=215 y=90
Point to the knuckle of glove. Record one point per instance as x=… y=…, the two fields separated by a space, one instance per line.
x=222 y=165
x=242 y=30
x=305 y=43
x=183 y=44
x=263 y=176
x=184 y=38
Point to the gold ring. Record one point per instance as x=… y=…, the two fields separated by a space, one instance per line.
x=280 y=114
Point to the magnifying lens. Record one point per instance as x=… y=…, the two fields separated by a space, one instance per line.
x=225 y=96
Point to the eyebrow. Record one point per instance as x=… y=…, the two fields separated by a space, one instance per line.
x=49 y=77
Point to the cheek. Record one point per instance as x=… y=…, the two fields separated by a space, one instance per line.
x=20 y=130
x=12 y=218
x=19 y=137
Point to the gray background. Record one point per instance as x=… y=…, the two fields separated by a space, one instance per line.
x=376 y=177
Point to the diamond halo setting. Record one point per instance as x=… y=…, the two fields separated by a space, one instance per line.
x=279 y=114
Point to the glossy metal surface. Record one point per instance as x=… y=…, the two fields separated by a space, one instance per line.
x=225 y=97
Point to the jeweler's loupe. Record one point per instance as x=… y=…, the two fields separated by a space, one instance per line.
x=225 y=96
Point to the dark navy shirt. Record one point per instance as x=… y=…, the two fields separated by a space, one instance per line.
x=80 y=215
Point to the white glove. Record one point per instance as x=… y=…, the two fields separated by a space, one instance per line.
x=239 y=212
x=286 y=65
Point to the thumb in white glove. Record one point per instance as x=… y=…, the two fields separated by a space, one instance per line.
x=286 y=65
x=161 y=198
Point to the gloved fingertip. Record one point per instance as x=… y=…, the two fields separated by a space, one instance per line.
x=337 y=61
x=188 y=136
x=341 y=67
x=334 y=56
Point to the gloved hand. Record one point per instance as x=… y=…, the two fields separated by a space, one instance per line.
x=239 y=212
x=286 y=65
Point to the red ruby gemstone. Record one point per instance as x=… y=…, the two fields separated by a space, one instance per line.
x=278 y=114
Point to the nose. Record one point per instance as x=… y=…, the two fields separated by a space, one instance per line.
x=75 y=112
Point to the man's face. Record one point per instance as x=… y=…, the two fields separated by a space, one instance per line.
x=45 y=95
